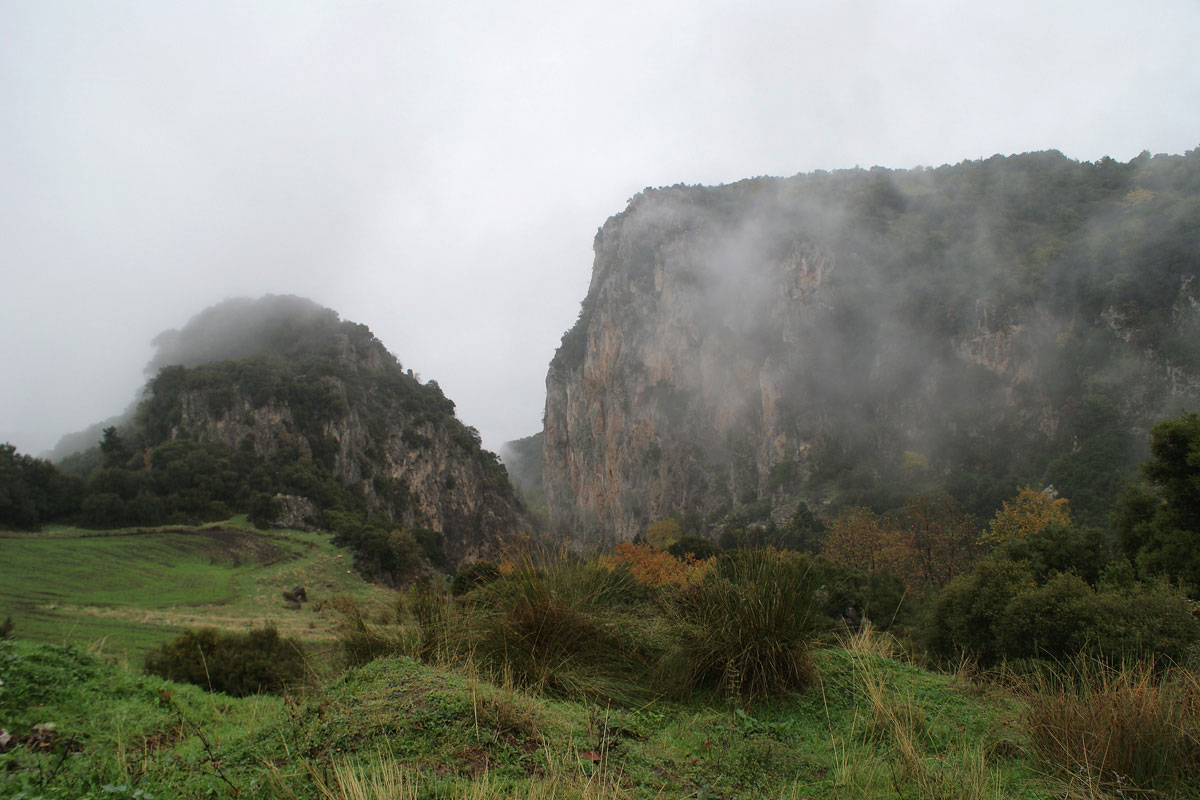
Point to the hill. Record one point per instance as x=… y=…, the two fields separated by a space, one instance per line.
x=279 y=408
x=858 y=337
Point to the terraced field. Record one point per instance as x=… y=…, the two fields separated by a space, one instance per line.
x=129 y=590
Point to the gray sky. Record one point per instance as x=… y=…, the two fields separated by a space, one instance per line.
x=437 y=170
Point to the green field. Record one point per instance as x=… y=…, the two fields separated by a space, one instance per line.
x=129 y=590
x=395 y=729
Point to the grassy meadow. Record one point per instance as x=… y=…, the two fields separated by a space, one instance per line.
x=130 y=590
x=576 y=679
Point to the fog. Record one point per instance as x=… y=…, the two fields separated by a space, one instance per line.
x=438 y=171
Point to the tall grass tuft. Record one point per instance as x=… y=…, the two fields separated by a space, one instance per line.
x=746 y=630
x=383 y=780
x=1126 y=727
x=563 y=628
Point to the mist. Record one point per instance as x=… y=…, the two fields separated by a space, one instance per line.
x=858 y=337
x=438 y=172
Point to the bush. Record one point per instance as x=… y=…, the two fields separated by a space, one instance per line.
x=693 y=546
x=235 y=663
x=654 y=568
x=880 y=597
x=438 y=626
x=1056 y=620
x=964 y=616
x=747 y=629
x=1061 y=548
x=999 y=612
x=362 y=642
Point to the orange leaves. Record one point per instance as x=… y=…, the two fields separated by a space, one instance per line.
x=859 y=539
x=1027 y=513
x=929 y=542
x=652 y=567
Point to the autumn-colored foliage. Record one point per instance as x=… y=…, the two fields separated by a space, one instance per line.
x=1027 y=513
x=652 y=567
x=860 y=539
x=928 y=543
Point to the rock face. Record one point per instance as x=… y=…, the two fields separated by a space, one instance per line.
x=340 y=400
x=820 y=335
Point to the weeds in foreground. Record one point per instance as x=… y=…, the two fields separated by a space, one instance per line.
x=568 y=773
x=382 y=779
x=904 y=756
x=1131 y=727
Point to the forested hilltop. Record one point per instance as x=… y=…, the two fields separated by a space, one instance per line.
x=861 y=338
x=278 y=408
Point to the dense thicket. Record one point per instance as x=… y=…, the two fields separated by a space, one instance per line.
x=33 y=491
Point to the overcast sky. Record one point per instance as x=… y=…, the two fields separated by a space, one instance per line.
x=437 y=170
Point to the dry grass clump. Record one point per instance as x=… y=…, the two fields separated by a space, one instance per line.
x=1120 y=727
x=869 y=640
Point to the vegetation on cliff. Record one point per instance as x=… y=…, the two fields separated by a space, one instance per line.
x=861 y=337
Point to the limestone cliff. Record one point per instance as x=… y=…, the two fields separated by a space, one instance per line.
x=854 y=336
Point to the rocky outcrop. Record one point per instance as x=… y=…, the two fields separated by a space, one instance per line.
x=339 y=400
x=769 y=338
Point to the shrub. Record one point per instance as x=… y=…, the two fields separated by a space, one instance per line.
x=437 y=624
x=747 y=629
x=964 y=616
x=694 y=546
x=999 y=612
x=1061 y=548
x=1116 y=726
x=235 y=663
x=362 y=642
x=1148 y=618
x=881 y=597
x=653 y=568
x=1056 y=620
